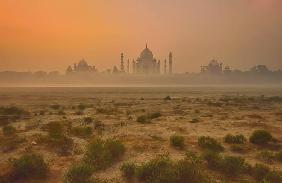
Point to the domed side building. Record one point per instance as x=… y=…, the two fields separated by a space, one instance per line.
x=82 y=66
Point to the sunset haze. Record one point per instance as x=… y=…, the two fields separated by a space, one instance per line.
x=50 y=35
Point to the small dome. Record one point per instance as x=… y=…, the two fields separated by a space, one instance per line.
x=82 y=63
x=147 y=53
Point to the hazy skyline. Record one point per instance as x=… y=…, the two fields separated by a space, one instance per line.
x=50 y=34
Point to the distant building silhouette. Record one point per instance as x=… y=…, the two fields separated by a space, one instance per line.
x=128 y=66
x=165 y=66
x=122 y=62
x=133 y=66
x=214 y=67
x=146 y=63
x=82 y=66
x=260 y=69
x=115 y=70
x=170 y=63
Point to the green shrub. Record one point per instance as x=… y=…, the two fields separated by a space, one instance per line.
x=107 y=111
x=190 y=171
x=163 y=170
x=79 y=173
x=10 y=143
x=214 y=160
x=278 y=156
x=260 y=137
x=98 y=125
x=167 y=98
x=158 y=170
x=42 y=112
x=177 y=141
x=61 y=112
x=143 y=119
x=55 y=130
x=88 y=120
x=56 y=139
x=229 y=165
x=10 y=114
x=81 y=107
x=128 y=170
x=55 y=106
x=209 y=143
x=82 y=132
x=30 y=166
x=263 y=173
x=154 y=115
x=9 y=130
x=266 y=156
x=62 y=145
x=235 y=139
x=13 y=111
x=101 y=154
x=233 y=166
x=195 y=120
x=79 y=113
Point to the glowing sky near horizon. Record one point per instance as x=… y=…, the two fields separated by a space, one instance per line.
x=51 y=34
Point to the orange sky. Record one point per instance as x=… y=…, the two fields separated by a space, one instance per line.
x=52 y=34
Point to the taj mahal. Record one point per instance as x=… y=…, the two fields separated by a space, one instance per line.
x=146 y=63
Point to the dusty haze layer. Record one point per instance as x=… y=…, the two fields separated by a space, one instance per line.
x=49 y=34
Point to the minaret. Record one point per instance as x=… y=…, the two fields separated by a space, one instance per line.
x=122 y=62
x=133 y=66
x=128 y=66
x=159 y=67
x=165 y=66
x=170 y=63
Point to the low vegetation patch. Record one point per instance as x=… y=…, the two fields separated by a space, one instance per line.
x=143 y=119
x=101 y=154
x=56 y=139
x=209 y=143
x=56 y=106
x=29 y=166
x=81 y=107
x=235 y=139
x=88 y=120
x=128 y=170
x=146 y=118
x=82 y=131
x=229 y=165
x=266 y=156
x=10 y=143
x=79 y=173
x=177 y=141
x=61 y=112
x=167 y=98
x=154 y=115
x=55 y=130
x=163 y=169
x=195 y=120
x=269 y=156
x=108 y=111
x=10 y=114
x=9 y=130
x=263 y=173
x=261 y=137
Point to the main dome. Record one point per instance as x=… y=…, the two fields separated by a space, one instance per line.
x=147 y=54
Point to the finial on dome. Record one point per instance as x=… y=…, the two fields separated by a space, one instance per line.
x=146 y=45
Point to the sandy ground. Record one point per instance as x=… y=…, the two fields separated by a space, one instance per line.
x=218 y=110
